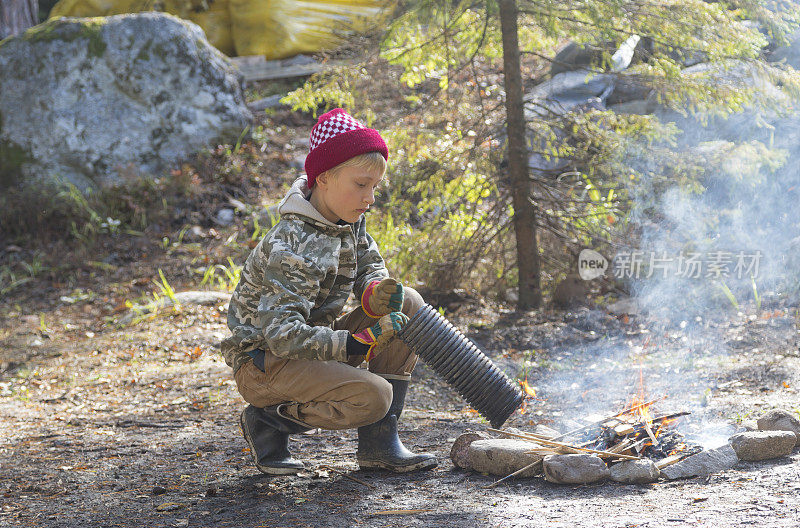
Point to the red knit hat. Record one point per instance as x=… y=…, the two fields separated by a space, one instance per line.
x=336 y=138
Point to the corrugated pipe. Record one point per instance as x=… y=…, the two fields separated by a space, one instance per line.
x=462 y=365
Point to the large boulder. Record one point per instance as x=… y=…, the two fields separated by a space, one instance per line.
x=569 y=91
x=575 y=56
x=575 y=91
x=98 y=100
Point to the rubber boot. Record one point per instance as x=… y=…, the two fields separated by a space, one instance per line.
x=267 y=433
x=380 y=447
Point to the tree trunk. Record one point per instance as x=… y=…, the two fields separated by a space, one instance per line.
x=530 y=291
x=17 y=15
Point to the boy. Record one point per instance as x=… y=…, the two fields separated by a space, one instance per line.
x=294 y=362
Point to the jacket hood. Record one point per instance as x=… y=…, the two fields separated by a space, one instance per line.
x=296 y=203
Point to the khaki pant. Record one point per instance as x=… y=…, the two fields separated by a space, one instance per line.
x=333 y=394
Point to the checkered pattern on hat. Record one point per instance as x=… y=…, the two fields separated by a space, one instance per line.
x=333 y=126
x=337 y=137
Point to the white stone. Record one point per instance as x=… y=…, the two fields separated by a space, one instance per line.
x=502 y=457
x=574 y=469
x=635 y=471
x=763 y=445
x=780 y=420
x=702 y=464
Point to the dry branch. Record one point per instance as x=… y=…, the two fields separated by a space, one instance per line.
x=399 y=512
x=622 y=446
x=514 y=474
x=650 y=433
x=544 y=441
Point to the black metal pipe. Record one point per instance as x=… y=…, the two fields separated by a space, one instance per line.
x=462 y=365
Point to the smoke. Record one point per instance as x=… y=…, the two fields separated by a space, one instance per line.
x=722 y=247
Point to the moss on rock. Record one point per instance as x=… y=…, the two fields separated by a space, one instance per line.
x=69 y=29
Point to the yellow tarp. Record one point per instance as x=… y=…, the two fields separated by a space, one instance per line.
x=273 y=28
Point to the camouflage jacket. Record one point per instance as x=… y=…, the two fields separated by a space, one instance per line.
x=295 y=283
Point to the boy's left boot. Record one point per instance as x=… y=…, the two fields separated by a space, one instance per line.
x=380 y=447
x=267 y=433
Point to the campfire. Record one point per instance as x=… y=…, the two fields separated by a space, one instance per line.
x=636 y=432
x=632 y=433
x=638 y=442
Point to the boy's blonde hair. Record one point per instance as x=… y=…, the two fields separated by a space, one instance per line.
x=372 y=161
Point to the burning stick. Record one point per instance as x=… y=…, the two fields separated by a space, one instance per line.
x=622 y=446
x=599 y=422
x=673 y=459
x=535 y=438
x=623 y=429
x=638 y=445
x=650 y=434
x=671 y=416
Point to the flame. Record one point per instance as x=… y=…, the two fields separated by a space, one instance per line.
x=530 y=391
x=663 y=425
x=638 y=410
x=530 y=394
x=640 y=407
x=678 y=448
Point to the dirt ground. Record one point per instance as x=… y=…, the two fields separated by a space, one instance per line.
x=137 y=426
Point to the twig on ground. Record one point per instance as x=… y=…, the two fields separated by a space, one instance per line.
x=514 y=474
x=398 y=512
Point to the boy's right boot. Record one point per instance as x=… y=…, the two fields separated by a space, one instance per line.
x=267 y=433
x=379 y=446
